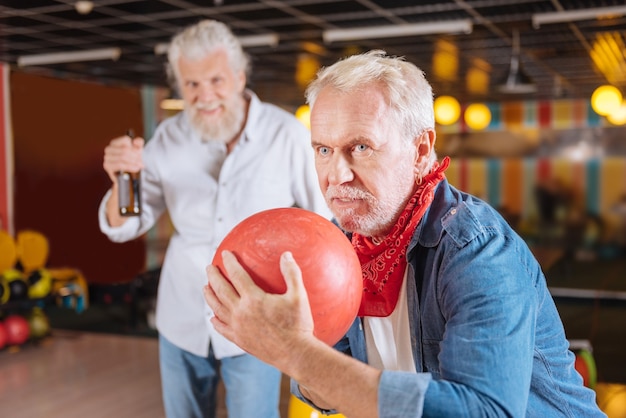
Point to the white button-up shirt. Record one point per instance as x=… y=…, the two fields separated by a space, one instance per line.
x=207 y=192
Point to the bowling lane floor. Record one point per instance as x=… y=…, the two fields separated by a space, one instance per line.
x=77 y=374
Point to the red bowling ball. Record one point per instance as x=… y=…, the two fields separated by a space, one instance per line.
x=330 y=267
x=17 y=329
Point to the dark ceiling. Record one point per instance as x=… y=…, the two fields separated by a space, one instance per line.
x=557 y=56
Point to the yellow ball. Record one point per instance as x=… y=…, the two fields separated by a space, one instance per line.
x=8 y=251
x=39 y=283
x=4 y=291
x=298 y=409
x=38 y=323
x=18 y=287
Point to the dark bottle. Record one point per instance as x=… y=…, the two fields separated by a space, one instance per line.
x=129 y=191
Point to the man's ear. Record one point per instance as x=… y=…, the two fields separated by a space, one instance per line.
x=241 y=81
x=424 y=146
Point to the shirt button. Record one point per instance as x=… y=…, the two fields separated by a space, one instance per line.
x=453 y=212
x=219 y=219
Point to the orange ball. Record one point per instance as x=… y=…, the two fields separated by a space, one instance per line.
x=331 y=270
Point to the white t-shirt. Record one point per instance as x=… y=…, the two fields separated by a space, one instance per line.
x=388 y=338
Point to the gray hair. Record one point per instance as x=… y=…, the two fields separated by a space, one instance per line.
x=201 y=39
x=409 y=94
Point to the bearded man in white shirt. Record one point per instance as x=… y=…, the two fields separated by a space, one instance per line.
x=225 y=157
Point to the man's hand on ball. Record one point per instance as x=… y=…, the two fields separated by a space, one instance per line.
x=261 y=323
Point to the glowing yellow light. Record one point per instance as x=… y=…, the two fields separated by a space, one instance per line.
x=477 y=81
x=477 y=116
x=606 y=99
x=172 y=104
x=447 y=110
x=306 y=68
x=618 y=117
x=445 y=60
x=303 y=114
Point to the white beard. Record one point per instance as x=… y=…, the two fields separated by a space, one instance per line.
x=222 y=130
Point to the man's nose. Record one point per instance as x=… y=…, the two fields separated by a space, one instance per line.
x=340 y=171
x=206 y=92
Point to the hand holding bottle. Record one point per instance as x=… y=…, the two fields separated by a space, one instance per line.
x=123 y=164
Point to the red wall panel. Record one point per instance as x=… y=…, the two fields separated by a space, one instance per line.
x=60 y=129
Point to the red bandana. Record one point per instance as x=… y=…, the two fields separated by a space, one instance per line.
x=383 y=265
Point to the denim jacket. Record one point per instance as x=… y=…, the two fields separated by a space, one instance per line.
x=487 y=339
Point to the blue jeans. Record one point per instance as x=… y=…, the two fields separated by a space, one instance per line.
x=189 y=384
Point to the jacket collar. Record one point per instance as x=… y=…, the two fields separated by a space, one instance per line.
x=429 y=231
x=250 y=130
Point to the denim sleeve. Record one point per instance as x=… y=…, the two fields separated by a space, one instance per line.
x=401 y=394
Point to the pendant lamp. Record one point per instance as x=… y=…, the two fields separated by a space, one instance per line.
x=517 y=81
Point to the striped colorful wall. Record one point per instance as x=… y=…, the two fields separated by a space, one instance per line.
x=548 y=114
x=597 y=185
x=509 y=183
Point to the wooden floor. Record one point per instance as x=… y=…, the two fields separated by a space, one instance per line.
x=80 y=374
x=75 y=374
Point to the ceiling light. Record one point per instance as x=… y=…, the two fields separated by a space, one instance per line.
x=77 y=56
x=477 y=116
x=391 y=31
x=445 y=60
x=608 y=55
x=303 y=114
x=172 y=104
x=268 y=39
x=447 y=110
x=477 y=77
x=83 y=7
x=517 y=81
x=618 y=116
x=606 y=99
x=574 y=15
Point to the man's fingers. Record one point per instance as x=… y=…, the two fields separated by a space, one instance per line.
x=209 y=294
x=218 y=319
x=221 y=290
x=237 y=275
x=291 y=272
x=138 y=143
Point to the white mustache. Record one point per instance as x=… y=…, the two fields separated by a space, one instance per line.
x=205 y=106
x=347 y=193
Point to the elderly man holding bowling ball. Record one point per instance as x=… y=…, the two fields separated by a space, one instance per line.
x=455 y=318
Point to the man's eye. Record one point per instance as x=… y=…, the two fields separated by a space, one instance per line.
x=323 y=150
x=361 y=148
